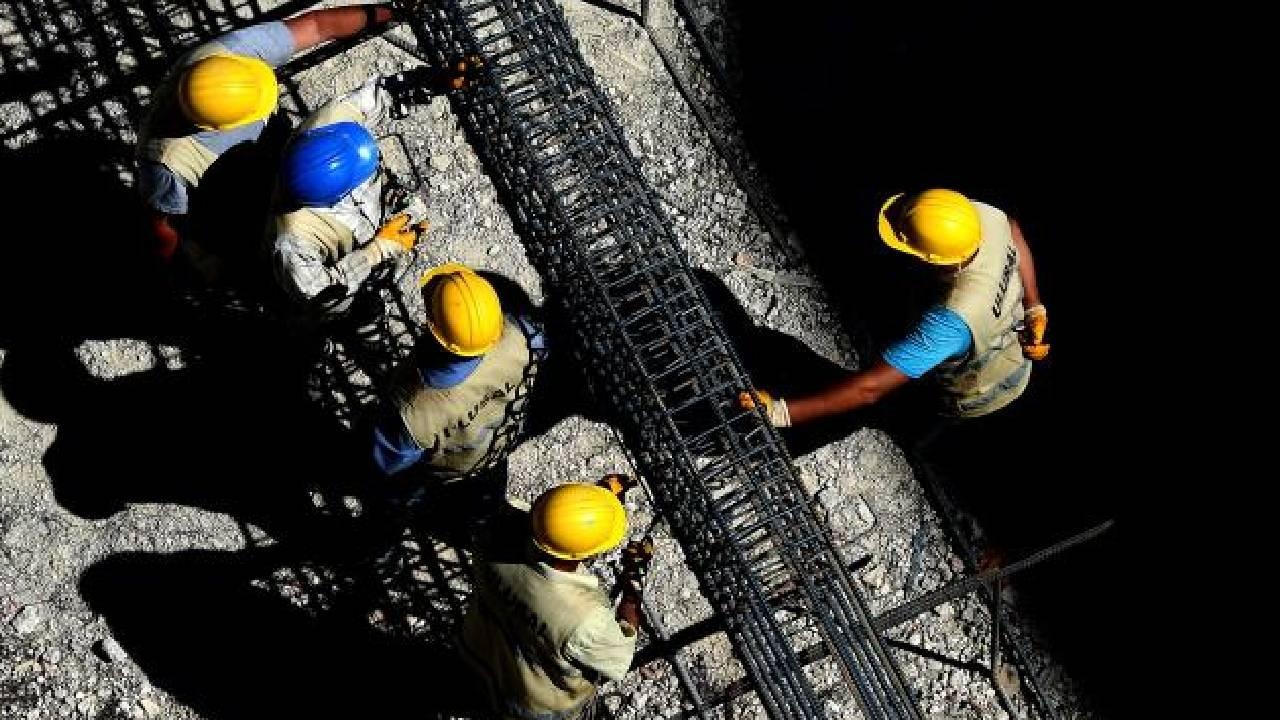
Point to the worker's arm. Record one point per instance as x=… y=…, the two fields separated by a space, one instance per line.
x=856 y=391
x=603 y=645
x=1026 y=267
x=312 y=28
x=394 y=449
x=941 y=335
x=629 y=607
x=165 y=195
x=1036 y=321
x=165 y=236
x=305 y=273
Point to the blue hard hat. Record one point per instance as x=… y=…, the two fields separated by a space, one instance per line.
x=323 y=164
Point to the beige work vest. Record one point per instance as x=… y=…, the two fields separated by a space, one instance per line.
x=463 y=424
x=324 y=229
x=515 y=629
x=987 y=294
x=184 y=155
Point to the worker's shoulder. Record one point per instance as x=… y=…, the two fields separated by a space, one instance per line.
x=989 y=210
x=305 y=224
x=271 y=42
x=337 y=110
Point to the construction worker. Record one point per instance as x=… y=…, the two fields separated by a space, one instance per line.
x=327 y=232
x=456 y=407
x=216 y=97
x=539 y=631
x=976 y=343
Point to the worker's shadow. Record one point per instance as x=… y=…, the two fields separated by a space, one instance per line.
x=273 y=631
x=247 y=635
x=779 y=363
x=227 y=429
x=221 y=424
x=74 y=265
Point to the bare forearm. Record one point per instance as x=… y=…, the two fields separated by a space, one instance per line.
x=852 y=393
x=1026 y=267
x=845 y=396
x=167 y=237
x=629 y=607
x=312 y=28
x=856 y=391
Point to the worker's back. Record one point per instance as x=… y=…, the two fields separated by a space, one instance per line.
x=523 y=619
x=987 y=295
x=460 y=424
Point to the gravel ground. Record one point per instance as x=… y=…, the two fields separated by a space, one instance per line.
x=58 y=657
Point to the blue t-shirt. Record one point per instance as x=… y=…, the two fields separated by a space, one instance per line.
x=160 y=187
x=394 y=449
x=940 y=336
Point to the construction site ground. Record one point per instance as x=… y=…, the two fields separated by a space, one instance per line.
x=156 y=497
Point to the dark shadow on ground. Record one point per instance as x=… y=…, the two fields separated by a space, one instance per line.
x=846 y=104
x=75 y=267
x=202 y=631
x=231 y=431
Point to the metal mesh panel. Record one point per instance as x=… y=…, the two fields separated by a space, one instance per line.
x=657 y=356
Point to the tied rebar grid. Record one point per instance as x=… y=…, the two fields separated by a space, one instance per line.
x=642 y=328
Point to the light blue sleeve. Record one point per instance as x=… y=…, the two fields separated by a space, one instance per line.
x=533 y=330
x=161 y=188
x=393 y=448
x=270 y=42
x=940 y=336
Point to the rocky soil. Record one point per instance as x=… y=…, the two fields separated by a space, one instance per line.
x=58 y=655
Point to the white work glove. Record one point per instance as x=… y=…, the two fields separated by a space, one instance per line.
x=372 y=100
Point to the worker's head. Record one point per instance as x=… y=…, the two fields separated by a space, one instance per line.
x=463 y=311
x=322 y=165
x=577 y=521
x=224 y=91
x=938 y=226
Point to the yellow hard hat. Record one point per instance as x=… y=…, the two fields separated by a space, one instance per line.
x=463 y=311
x=222 y=92
x=576 y=521
x=938 y=226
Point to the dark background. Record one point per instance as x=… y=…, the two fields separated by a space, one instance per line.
x=1025 y=107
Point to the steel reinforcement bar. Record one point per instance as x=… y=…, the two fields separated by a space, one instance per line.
x=655 y=353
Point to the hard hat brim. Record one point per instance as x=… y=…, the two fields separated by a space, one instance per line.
x=432 y=274
x=898 y=241
x=890 y=235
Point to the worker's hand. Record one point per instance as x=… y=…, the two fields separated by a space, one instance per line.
x=417 y=86
x=464 y=72
x=617 y=483
x=406 y=9
x=630 y=615
x=636 y=557
x=398 y=236
x=1034 y=323
x=774 y=408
